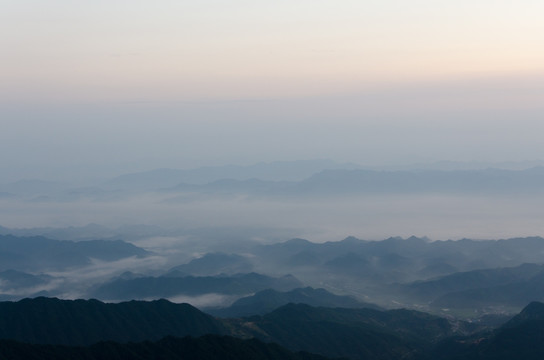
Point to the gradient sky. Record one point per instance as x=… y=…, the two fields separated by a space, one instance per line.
x=122 y=85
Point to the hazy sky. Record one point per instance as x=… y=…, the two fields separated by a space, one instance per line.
x=114 y=86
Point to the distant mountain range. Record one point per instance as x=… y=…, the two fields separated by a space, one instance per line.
x=290 y=178
x=273 y=171
x=341 y=182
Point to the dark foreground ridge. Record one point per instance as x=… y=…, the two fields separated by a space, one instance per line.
x=152 y=330
x=85 y=322
x=208 y=347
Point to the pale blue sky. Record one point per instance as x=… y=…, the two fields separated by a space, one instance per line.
x=130 y=85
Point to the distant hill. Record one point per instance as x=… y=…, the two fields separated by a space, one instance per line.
x=475 y=279
x=207 y=347
x=170 y=285
x=215 y=264
x=267 y=300
x=40 y=253
x=13 y=279
x=514 y=294
x=84 y=322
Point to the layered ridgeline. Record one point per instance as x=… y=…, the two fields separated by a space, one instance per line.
x=489 y=276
